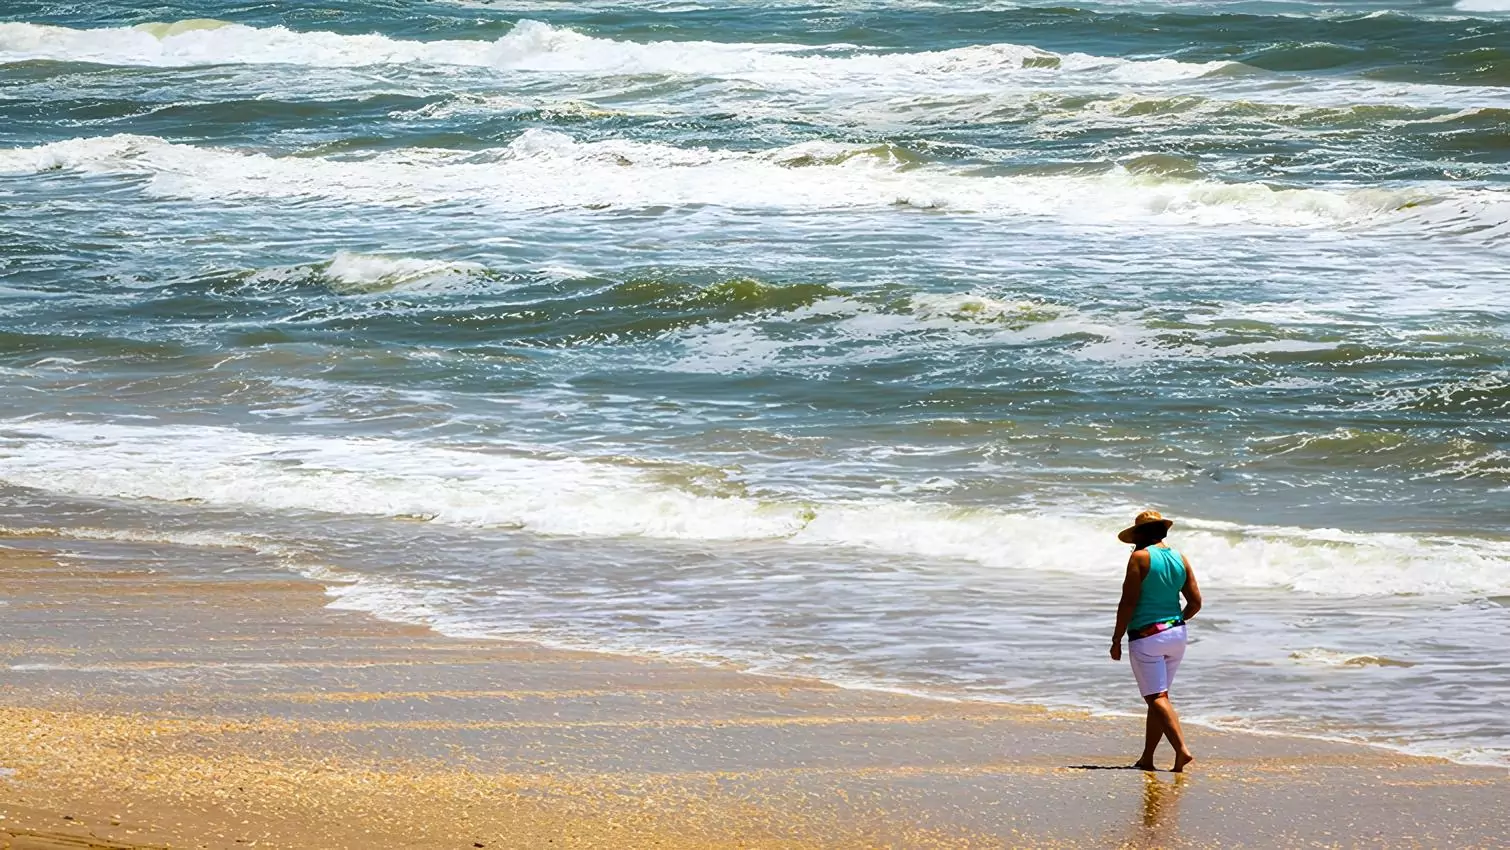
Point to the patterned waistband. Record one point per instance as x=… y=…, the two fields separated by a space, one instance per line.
x=1154 y=628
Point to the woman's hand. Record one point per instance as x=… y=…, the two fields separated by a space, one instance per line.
x=1117 y=651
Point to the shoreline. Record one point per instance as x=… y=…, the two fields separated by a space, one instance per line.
x=732 y=666
x=218 y=710
x=1087 y=711
x=392 y=600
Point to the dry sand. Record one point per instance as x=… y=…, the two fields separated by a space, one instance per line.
x=140 y=709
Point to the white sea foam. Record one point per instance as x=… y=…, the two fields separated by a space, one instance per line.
x=535 y=46
x=1482 y=5
x=1319 y=657
x=846 y=83
x=582 y=497
x=354 y=272
x=877 y=332
x=220 y=43
x=983 y=70
x=465 y=103
x=542 y=170
x=194 y=539
x=982 y=309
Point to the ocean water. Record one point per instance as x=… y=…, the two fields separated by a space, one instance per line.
x=833 y=338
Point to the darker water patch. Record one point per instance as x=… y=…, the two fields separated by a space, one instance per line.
x=639 y=308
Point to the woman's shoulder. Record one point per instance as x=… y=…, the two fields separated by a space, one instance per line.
x=1177 y=557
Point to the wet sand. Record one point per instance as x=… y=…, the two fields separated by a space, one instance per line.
x=144 y=709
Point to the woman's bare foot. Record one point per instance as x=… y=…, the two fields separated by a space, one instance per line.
x=1182 y=759
x=1144 y=764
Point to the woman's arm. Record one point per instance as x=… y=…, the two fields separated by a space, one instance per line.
x=1191 y=590
x=1132 y=590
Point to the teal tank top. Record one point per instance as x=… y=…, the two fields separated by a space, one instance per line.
x=1161 y=588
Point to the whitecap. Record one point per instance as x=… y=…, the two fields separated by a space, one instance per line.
x=1482 y=5
x=544 y=170
x=539 y=47
x=587 y=497
x=1318 y=657
x=353 y=272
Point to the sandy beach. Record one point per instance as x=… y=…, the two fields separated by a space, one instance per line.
x=143 y=710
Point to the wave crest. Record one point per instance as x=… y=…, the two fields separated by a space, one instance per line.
x=1482 y=5
x=352 y=272
x=543 y=170
x=551 y=494
x=1336 y=658
x=535 y=46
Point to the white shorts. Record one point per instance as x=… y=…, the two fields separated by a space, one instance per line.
x=1155 y=658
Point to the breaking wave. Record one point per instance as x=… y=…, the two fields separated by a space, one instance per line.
x=535 y=46
x=576 y=496
x=372 y=272
x=1336 y=658
x=1482 y=5
x=544 y=170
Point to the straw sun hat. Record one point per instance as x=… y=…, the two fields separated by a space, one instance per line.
x=1129 y=534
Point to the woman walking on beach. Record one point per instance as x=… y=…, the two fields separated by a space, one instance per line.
x=1151 y=616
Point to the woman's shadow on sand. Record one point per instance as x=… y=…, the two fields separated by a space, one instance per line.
x=1107 y=767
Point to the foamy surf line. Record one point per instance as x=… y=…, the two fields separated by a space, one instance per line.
x=548 y=170
x=539 y=47
x=838 y=74
x=585 y=497
x=1493 y=6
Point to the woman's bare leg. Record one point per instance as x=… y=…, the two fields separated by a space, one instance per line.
x=1152 y=734
x=1169 y=721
